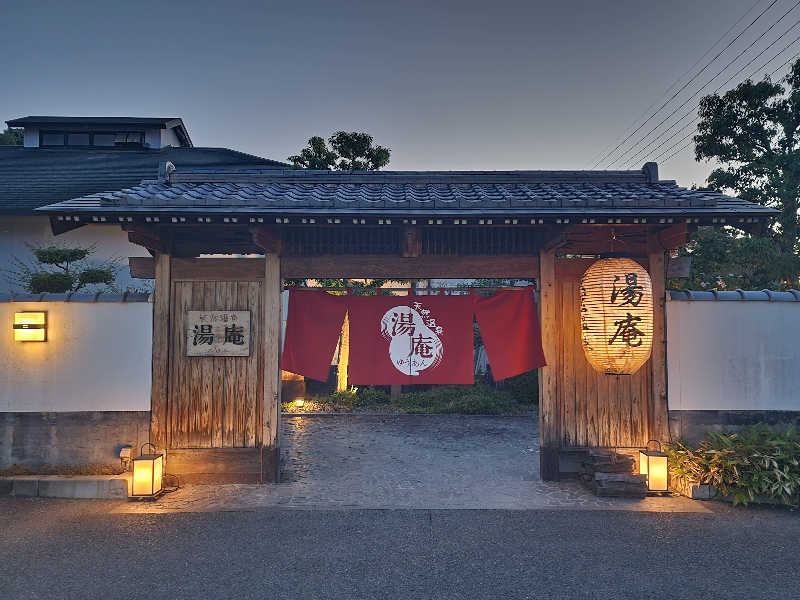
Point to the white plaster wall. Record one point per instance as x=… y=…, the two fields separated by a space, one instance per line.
x=168 y=138
x=733 y=355
x=111 y=240
x=97 y=358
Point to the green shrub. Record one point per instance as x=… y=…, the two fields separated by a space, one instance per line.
x=754 y=461
x=478 y=399
x=524 y=388
x=369 y=396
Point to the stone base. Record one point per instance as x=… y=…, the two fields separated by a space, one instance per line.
x=223 y=465
x=106 y=487
x=33 y=439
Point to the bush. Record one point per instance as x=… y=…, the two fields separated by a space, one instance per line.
x=524 y=388
x=754 y=461
x=478 y=399
x=369 y=396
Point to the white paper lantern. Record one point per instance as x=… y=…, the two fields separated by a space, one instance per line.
x=616 y=318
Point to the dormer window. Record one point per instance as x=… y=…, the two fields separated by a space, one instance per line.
x=70 y=138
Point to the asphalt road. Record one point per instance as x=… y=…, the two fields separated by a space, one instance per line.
x=80 y=549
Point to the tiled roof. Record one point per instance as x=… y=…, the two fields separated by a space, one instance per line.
x=440 y=192
x=733 y=295
x=33 y=177
x=77 y=297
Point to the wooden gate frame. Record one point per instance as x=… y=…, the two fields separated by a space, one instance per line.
x=273 y=268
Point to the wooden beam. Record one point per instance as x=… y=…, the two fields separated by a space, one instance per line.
x=268 y=239
x=423 y=267
x=673 y=237
x=658 y=415
x=59 y=227
x=273 y=285
x=157 y=240
x=346 y=267
x=549 y=434
x=159 y=388
x=411 y=242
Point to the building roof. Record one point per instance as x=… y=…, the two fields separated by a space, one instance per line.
x=547 y=194
x=33 y=177
x=34 y=121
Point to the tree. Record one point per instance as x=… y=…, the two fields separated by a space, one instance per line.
x=349 y=151
x=753 y=130
x=58 y=269
x=12 y=137
x=723 y=260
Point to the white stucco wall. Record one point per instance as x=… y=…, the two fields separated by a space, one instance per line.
x=97 y=358
x=733 y=355
x=111 y=240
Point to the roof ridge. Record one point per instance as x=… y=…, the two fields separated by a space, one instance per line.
x=238 y=175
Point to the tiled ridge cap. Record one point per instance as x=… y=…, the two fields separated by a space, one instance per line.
x=200 y=175
x=77 y=297
x=733 y=295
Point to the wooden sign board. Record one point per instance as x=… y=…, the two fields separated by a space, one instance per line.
x=218 y=333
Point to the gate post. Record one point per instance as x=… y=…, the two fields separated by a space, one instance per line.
x=659 y=411
x=549 y=437
x=160 y=366
x=271 y=413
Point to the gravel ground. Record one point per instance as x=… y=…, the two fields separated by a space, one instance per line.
x=79 y=549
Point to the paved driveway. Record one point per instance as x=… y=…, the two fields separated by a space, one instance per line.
x=408 y=462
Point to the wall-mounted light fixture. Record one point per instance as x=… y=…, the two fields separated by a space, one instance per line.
x=30 y=326
x=653 y=463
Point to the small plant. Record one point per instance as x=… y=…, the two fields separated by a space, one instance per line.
x=756 y=461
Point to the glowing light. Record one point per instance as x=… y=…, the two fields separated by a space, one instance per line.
x=653 y=463
x=148 y=474
x=30 y=326
x=616 y=315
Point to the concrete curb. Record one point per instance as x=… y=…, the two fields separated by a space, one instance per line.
x=109 y=487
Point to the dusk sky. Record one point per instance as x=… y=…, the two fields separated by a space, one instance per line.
x=446 y=85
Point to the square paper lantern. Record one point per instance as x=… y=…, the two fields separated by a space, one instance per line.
x=148 y=473
x=653 y=463
x=30 y=326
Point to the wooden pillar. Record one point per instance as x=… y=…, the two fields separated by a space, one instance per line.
x=658 y=414
x=344 y=356
x=270 y=418
x=549 y=434
x=159 y=390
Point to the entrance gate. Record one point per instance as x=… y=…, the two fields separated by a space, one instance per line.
x=218 y=417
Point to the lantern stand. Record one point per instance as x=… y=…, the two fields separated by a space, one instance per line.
x=653 y=463
x=148 y=475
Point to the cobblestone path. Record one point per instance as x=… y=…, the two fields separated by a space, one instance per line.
x=406 y=461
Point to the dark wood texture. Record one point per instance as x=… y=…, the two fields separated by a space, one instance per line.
x=346 y=266
x=215 y=401
x=161 y=343
x=659 y=413
x=270 y=415
x=578 y=406
x=217 y=465
x=548 y=408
